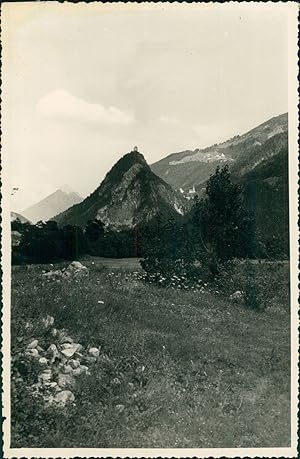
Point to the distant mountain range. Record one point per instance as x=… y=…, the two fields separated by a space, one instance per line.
x=53 y=204
x=133 y=193
x=242 y=153
x=258 y=160
x=130 y=195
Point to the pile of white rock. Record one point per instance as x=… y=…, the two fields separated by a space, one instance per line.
x=75 y=269
x=60 y=364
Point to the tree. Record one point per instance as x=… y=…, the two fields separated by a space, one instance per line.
x=74 y=243
x=94 y=230
x=41 y=243
x=225 y=228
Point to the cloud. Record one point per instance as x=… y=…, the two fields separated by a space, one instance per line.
x=168 y=120
x=60 y=103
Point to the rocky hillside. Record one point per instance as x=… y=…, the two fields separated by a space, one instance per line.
x=53 y=204
x=243 y=153
x=131 y=194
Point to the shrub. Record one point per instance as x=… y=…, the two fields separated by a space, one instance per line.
x=175 y=272
x=261 y=283
x=45 y=243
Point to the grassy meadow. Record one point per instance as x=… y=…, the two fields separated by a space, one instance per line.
x=178 y=368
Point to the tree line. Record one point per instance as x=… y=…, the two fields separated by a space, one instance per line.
x=217 y=229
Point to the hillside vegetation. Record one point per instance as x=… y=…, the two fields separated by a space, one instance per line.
x=177 y=368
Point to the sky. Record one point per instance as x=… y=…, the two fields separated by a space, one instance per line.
x=84 y=83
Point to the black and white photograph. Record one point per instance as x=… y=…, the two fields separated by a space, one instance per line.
x=149 y=229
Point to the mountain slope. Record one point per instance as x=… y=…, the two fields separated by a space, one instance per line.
x=131 y=194
x=53 y=204
x=266 y=194
x=191 y=168
x=258 y=160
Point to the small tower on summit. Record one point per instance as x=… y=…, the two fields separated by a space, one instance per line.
x=135 y=149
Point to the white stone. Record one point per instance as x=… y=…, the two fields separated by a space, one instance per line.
x=52 y=352
x=76 y=269
x=33 y=344
x=65 y=380
x=67 y=369
x=77 y=371
x=54 y=332
x=70 y=350
x=81 y=370
x=43 y=361
x=74 y=363
x=48 y=321
x=45 y=376
x=51 y=385
x=63 y=397
x=32 y=353
x=57 y=388
x=84 y=368
x=94 y=352
x=77 y=265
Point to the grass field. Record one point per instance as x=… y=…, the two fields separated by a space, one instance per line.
x=190 y=369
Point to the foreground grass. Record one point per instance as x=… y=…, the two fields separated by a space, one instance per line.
x=190 y=369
